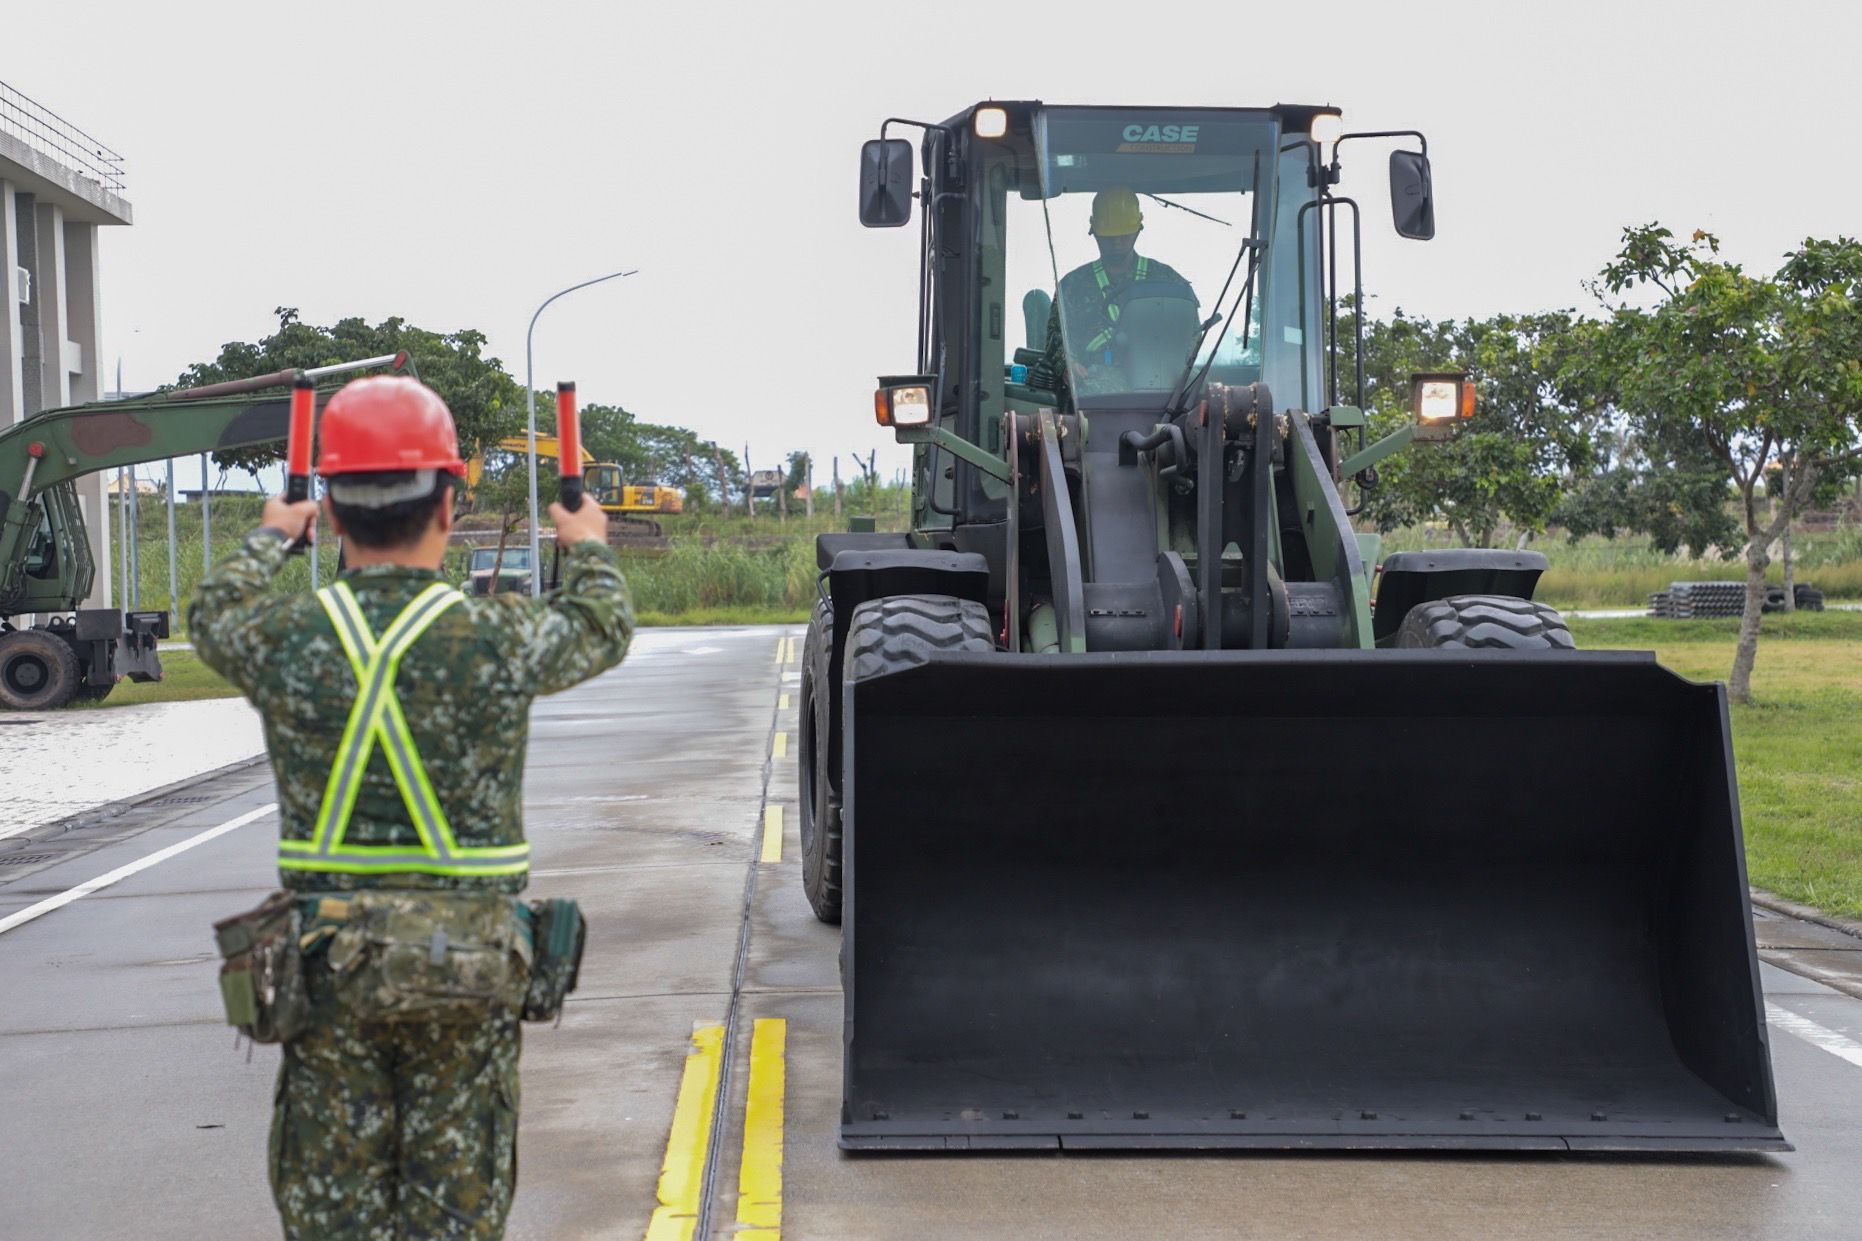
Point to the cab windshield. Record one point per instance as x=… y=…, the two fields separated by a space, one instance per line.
x=1118 y=230
x=604 y=483
x=516 y=557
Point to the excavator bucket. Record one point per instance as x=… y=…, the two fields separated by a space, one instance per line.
x=1457 y=900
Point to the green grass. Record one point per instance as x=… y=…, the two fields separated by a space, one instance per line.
x=726 y=616
x=1623 y=572
x=1798 y=746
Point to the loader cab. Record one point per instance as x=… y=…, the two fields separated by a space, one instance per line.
x=1009 y=260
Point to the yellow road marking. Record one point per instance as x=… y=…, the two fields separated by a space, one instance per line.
x=759 y=1179
x=780 y=748
x=682 y=1175
x=791 y=656
x=782 y=703
x=772 y=833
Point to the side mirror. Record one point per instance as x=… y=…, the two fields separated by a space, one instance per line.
x=1412 y=198
x=885 y=182
x=1439 y=400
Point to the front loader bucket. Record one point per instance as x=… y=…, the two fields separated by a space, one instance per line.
x=1298 y=899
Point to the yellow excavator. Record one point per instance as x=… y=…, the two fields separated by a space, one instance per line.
x=632 y=503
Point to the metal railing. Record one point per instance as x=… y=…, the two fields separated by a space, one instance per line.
x=51 y=134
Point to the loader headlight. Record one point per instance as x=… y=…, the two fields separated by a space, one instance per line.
x=991 y=122
x=1326 y=129
x=1439 y=400
x=903 y=401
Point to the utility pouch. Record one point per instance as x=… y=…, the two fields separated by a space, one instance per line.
x=262 y=973
x=558 y=934
x=414 y=955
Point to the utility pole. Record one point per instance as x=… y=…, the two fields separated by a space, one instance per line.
x=135 y=543
x=206 y=518
x=749 y=487
x=174 y=581
x=837 y=489
x=808 y=481
x=122 y=538
x=530 y=410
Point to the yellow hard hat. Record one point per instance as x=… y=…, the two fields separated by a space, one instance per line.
x=1115 y=213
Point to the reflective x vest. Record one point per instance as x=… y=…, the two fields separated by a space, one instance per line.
x=376 y=719
x=1104 y=282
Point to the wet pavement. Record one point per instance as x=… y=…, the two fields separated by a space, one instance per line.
x=63 y=763
x=654 y=795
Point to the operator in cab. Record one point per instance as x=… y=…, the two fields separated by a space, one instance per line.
x=1091 y=296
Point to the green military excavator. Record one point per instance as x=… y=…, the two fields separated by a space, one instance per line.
x=46 y=569
x=1153 y=813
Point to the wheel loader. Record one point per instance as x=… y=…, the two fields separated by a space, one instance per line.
x=1145 y=823
x=46 y=568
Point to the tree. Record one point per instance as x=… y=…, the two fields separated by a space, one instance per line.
x=486 y=403
x=1760 y=371
x=1533 y=432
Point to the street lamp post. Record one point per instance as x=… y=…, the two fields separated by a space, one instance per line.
x=530 y=405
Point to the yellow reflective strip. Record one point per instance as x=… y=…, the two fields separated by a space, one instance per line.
x=416 y=792
x=759 y=1177
x=341 y=604
x=779 y=748
x=355 y=866
x=772 y=834
x=682 y=1173
x=413 y=782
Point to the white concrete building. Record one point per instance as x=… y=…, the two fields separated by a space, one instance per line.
x=58 y=186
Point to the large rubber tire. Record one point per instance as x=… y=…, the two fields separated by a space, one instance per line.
x=1484 y=622
x=902 y=631
x=38 y=670
x=818 y=771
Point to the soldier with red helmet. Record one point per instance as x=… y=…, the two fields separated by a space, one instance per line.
x=396 y=712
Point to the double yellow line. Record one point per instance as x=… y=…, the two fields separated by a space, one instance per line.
x=688 y=1145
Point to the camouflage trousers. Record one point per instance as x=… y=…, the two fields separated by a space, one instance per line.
x=396 y=1130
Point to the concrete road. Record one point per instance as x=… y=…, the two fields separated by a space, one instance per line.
x=693 y=1087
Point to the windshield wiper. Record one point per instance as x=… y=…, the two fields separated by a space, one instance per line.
x=1158 y=198
x=1251 y=249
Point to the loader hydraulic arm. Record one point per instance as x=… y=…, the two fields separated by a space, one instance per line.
x=54 y=447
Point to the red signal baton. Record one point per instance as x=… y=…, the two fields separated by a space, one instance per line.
x=569 y=447
x=297 y=451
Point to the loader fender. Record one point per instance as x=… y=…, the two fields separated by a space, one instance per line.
x=1410 y=578
x=860 y=573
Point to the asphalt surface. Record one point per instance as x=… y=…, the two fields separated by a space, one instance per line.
x=126 y=1110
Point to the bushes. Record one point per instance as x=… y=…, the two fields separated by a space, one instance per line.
x=724 y=578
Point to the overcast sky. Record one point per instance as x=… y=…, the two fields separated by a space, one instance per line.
x=454 y=163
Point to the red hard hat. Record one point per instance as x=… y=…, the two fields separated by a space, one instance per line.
x=387 y=422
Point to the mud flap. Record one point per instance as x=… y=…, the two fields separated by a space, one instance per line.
x=1462 y=900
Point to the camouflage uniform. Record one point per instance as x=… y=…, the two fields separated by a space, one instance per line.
x=1089 y=318
x=404 y=1129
